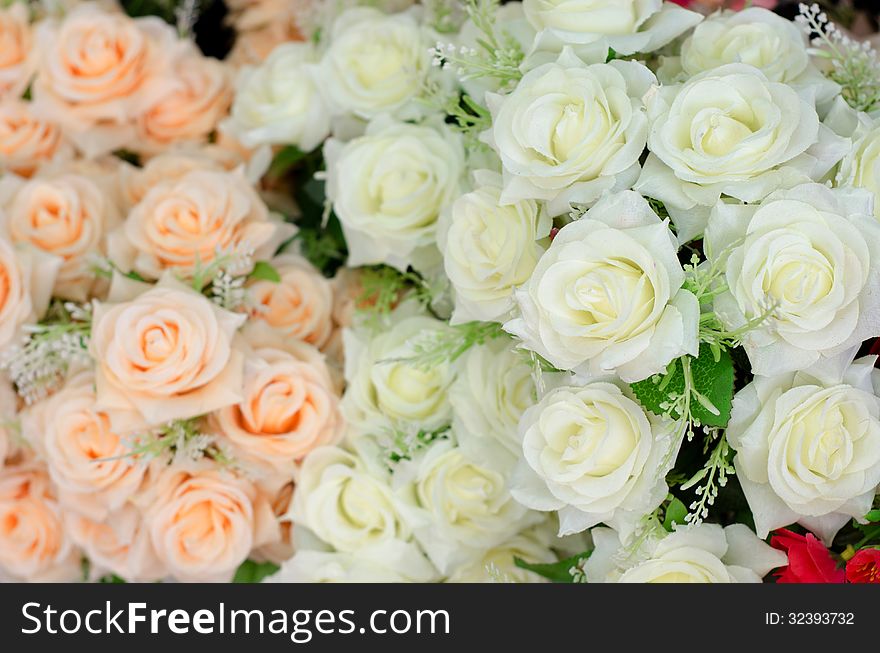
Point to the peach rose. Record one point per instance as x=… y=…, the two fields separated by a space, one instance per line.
x=289 y=408
x=261 y=25
x=282 y=548
x=135 y=182
x=26 y=141
x=66 y=216
x=8 y=413
x=167 y=353
x=26 y=281
x=86 y=456
x=188 y=221
x=300 y=305
x=119 y=545
x=34 y=544
x=99 y=69
x=203 y=524
x=17 y=59
x=201 y=97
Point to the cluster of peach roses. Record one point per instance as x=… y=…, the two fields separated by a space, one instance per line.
x=162 y=366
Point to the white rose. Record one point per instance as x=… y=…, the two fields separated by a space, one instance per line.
x=386 y=393
x=280 y=102
x=808 y=447
x=730 y=131
x=627 y=26
x=706 y=553
x=809 y=254
x=861 y=166
x=595 y=455
x=389 y=186
x=375 y=63
x=570 y=131
x=493 y=389
x=489 y=248
x=344 y=504
x=607 y=296
x=497 y=564
x=458 y=508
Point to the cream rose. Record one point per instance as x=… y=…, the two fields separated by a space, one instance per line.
x=861 y=167
x=189 y=221
x=300 y=305
x=389 y=186
x=806 y=259
x=17 y=54
x=27 y=277
x=457 y=507
x=384 y=391
x=280 y=102
x=392 y=562
x=627 y=26
x=100 y=68
x=489 y=248
x=592 y=453
x=288 y=409
x=26 y=141
x=570 y=131
x=167 y=353
x=706 y=553
x=607 y=296
x=808 y=447
x=375 y=63
x=199 y=99
x=118 y=545
x=86 y=456
x=530 y=545
x=203 y=524
x=731 y=131
x=66 y=216
x=34 y=545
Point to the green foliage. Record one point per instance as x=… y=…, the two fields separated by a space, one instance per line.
x=111 y=579
x=264 y=271
x=284 y=160
x=447 y=345
x=711 y=477
x=873 y=516
x=676 y=513
x=569 y=570
x=254 y=572
x=383 y=288
x=320 y=236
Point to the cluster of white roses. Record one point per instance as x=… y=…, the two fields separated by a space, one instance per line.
x=621 y=212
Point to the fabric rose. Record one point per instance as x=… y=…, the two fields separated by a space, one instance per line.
x=493 y=388
x=198 y=100
x=390 y=185
x=731 y=131
x=347 y=505
x=375 y=63
x=531 y=545
x=8 y=413
x=281 y=546
x=34 y=545
x=17 y=52
x=804 y=264
x=86 y=456
x=186 y=222
x=627 y=26
x=167 y=353
x=706 y=553
x=67 y=216
x=570 y=131
x=458 y=507
x=808 y=559
x=26 y=141
x=280 y=102
x=593 y=454
x=861 y=166
x=489 y=248
x=864 y=567
x=392 y=562
x=300 y=305
x=808 y=447
x=118 y=545
x=385 y=391
x=27 y=277
x=288 y=408
x=607 y=295
x=135 y=182
x=204 y=523
x=100 y=68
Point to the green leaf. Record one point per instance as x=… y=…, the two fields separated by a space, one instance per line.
x=254 y=572
x=558 y=572
x=713 y=386
x=873 y=516
x=264 y=271
x=288 y=157
x=676 y=511
x=612 y=54
x=111 y=579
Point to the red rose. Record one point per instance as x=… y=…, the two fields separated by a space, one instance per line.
x=808 y=559
x=864 y=567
